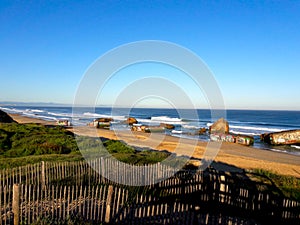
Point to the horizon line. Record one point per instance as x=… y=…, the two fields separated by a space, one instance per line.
x=53 y=104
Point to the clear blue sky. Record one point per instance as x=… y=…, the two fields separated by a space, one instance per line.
x=252 y=47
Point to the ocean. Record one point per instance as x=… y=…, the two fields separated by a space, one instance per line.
x=248 y=122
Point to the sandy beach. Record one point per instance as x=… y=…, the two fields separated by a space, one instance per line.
x=24 y=119
x=236 y=156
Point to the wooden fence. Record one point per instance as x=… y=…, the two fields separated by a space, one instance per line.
x=210 y=197
x=84 y=172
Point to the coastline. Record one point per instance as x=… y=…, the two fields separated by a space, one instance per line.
x=25 y=119
x=230 y=156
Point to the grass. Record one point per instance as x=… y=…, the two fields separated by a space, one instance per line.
x=121 y=151
x=22 y=144
x=287 y=186
x=17 y=140
x=70 y=220
x=6 y=162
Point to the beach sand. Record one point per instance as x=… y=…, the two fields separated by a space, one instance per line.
x=230 y=157
x=24 y=119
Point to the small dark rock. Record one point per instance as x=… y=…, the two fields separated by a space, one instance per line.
x=131 y=120
x=202 y=131
x=167 y=126
x=104 y=120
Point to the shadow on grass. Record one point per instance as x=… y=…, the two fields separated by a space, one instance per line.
x=222 y=194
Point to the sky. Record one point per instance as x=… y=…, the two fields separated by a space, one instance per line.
x=252 y=48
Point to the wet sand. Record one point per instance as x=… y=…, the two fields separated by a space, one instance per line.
x=237 y=156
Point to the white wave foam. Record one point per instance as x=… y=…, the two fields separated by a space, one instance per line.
x=166 y=119
x=190 y=127
x=295 y=146
x=146 y=121
x=176 y=131
x=60 y=114
x=244 y=133
x=93 y=115
x=47 y=117
x=257 y=128
x=284 y=151
x=40 y=116
x=96 y=115
x=4 y=108
x=121 y=118
x=35 y=110
x=277 y=150
x=137 y=124
x=158 y=122
x=250 y=128
x=11 y=110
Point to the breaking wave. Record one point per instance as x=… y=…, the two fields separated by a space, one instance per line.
x=250 y=130
x=267 y=129
x=49 y=118
x=190 y=127
x=35 y=110
x=176 y=131
x=93 y=115
x=166 y=119
x=96 y=115
x=295 y=146
x=244 y=133
x=60 y=114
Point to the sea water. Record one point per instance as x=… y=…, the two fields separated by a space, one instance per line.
x=187 y=122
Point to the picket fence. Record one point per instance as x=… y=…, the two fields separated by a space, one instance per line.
x=85 y=172
x=75 y=190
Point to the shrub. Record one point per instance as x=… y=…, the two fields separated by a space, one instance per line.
x=32 y=139
x=4 y=141
x=113 y=146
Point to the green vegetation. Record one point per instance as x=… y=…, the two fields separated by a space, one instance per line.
x=22 y=144
x=31 y=143
x=17 y=140
x=287 y=186
x=120 y=150
x=71 y=220
x=114 y=146
x=6 y=162
x=128 y=154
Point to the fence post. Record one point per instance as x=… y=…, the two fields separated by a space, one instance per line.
x=108 y=203
x=159 y=171
x=16 y=204
x=43 y=175
x=102 y=168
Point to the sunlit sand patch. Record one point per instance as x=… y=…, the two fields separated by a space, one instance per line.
x=167 y=146
x=141 y=137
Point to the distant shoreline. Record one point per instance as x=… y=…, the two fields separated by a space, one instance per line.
x=236 y=156
x=26 y=119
